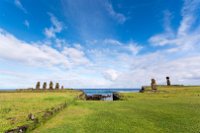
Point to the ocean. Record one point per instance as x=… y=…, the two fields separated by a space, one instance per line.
x=108 y=92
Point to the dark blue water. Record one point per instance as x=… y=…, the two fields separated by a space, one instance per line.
x=107 y=92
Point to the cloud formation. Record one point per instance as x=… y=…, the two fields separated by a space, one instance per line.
x=105 y=62
x=38 y=54
x=121 y=18
x=111 y=74
x=26 y=23
x=20 y=6
x=56 y=27
x=185 y=36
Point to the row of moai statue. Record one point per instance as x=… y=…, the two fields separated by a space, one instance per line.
x=154 y=85
x=44 y=87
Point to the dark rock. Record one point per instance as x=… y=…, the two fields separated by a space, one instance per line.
x=47 y=114
x=116 y=96
x=142 y=89
x=36 y=121
x=31 y=116
x=93 y=97
x=21 y=129
x=96 y=97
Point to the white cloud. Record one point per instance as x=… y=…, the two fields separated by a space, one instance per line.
x=121 y=18
x=26 y=23
x=20 y=6
x=113 y=46
x=56 y=27
x=167 y=21
x=161 y=40
x=111 y=74
x=134 y=48
x=60 y=43
x=189 y=10
x=185 y=37
x=111 y=42
x=75 y=56
x=35 y=54
x=185 y=25
x=158 y=65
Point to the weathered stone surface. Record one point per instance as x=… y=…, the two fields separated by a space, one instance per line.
x=116 y=96
x=142 y=89
x=168 y=81
x=62 y=88
x=153 y=85
x=47 y=114
x=57 y=86
x=96 y=97
x=51 y=85
x=20 y=129
x=38 y=85
x=44 y=86
x=31 y=116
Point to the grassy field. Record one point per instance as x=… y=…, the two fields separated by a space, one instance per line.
x=170 y=110
x=15 y=106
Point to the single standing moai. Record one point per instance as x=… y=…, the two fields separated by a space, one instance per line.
x=153 y=85
x=38 y=85
x=62 y=88
x=168 y=81
x=45 y=86
x=57 y=86
x=51 y=85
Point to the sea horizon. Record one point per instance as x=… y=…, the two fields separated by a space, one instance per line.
x=71 y=88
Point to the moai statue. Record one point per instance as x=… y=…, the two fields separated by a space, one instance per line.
x=45 y=86
x=51 y=85
x=168 y=81
x=142 y=89
x=38 y=85
x=153 y=85
x=62 y=88
x=57 y=86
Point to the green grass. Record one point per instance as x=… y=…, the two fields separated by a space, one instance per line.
x=15 y=106
x=170 y=110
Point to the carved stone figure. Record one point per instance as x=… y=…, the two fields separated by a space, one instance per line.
x=57 y=86
x=153 y=84
x=44 y=86
x=51 y=85
x=142 y=89
x=168 y=81
x=62 y=88
x=38 y=85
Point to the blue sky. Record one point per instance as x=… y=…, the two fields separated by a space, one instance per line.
x=99 y=43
